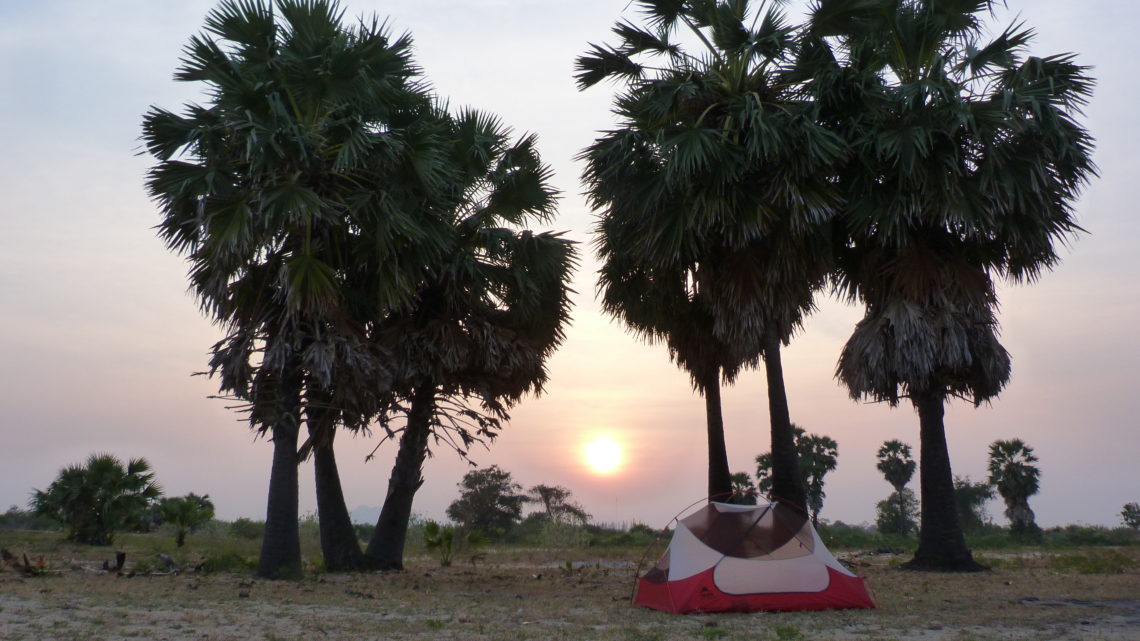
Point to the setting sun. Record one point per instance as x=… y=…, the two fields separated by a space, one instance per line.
x=603 y=455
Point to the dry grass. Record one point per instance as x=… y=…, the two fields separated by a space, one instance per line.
x=1084 y=593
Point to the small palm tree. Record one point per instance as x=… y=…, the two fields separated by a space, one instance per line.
x=186 y=514
x=743 y=490
x=95 y=500
x=898 y=467
x=1013 y=473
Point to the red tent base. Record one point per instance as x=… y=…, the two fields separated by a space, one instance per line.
x=698 y=593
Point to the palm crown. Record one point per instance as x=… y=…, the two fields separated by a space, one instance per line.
x=966 y=161
x=299 y=193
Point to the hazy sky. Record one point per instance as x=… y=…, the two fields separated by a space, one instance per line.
x=98 y=337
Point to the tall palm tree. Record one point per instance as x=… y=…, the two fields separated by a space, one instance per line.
x=966 y=160
x=897 y=466
x=669 y=306
x=485 y=317
x=302 y=187
x=717 y=177
x=1013 y=473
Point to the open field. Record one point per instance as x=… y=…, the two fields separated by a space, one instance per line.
x=525 y=593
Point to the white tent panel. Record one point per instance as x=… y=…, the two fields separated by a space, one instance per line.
x=688 y=555
x=749 y=576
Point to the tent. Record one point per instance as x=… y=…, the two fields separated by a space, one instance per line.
x=744 y=558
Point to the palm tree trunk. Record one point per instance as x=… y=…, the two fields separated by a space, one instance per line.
x=941 y=544
x=386 y=547
x=720 y=478
x=339 y=545
x=900 y=522
x=281 y=544
x=786 y=483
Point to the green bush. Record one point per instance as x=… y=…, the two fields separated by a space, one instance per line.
x=1096 y=562
x=1075 y=535
x=17 y=519
x=228 y=562
x=363 y=531
x=637 y=535
x=244 y=528
x=840 y=535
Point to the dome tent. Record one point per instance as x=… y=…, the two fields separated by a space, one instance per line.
x=746 y=558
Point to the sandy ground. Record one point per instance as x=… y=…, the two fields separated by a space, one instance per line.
x=534 y=595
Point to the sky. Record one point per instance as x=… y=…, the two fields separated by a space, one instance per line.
x=99 y=338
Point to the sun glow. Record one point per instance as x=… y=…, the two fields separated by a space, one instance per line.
x=603 y=455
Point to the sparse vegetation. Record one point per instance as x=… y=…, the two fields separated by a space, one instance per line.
x=1130 y=514
x=521 y=590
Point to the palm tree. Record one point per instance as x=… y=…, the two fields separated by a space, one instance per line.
x=716 y=179
x=1013 y=473
x=966 y=159
x=300 y=193
x=669 y=306
x=817 y=455
x=743 y=489
x=485 y=319
x=186 y=514
x=897 y=466
x=95 y=500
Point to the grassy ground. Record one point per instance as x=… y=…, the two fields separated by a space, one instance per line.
x=531 y=593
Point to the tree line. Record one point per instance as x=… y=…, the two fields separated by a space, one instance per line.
x=362 y=246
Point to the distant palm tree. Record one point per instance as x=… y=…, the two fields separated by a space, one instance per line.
x=96 y=500
x=898 y=467
x=186 y=514
x=966 y=161
x=301 y=195
x=485 y=318
x=716 y=183
x=743 y=490
x=1013 y=473
x=817 y=454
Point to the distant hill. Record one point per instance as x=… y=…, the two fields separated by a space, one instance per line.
x=365 y=514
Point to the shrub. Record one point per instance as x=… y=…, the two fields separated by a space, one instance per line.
x=244 y=528
x=449 y=541
x=1097 y=562
x=228 y=562
x=17 y=519
x=1130 y=514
